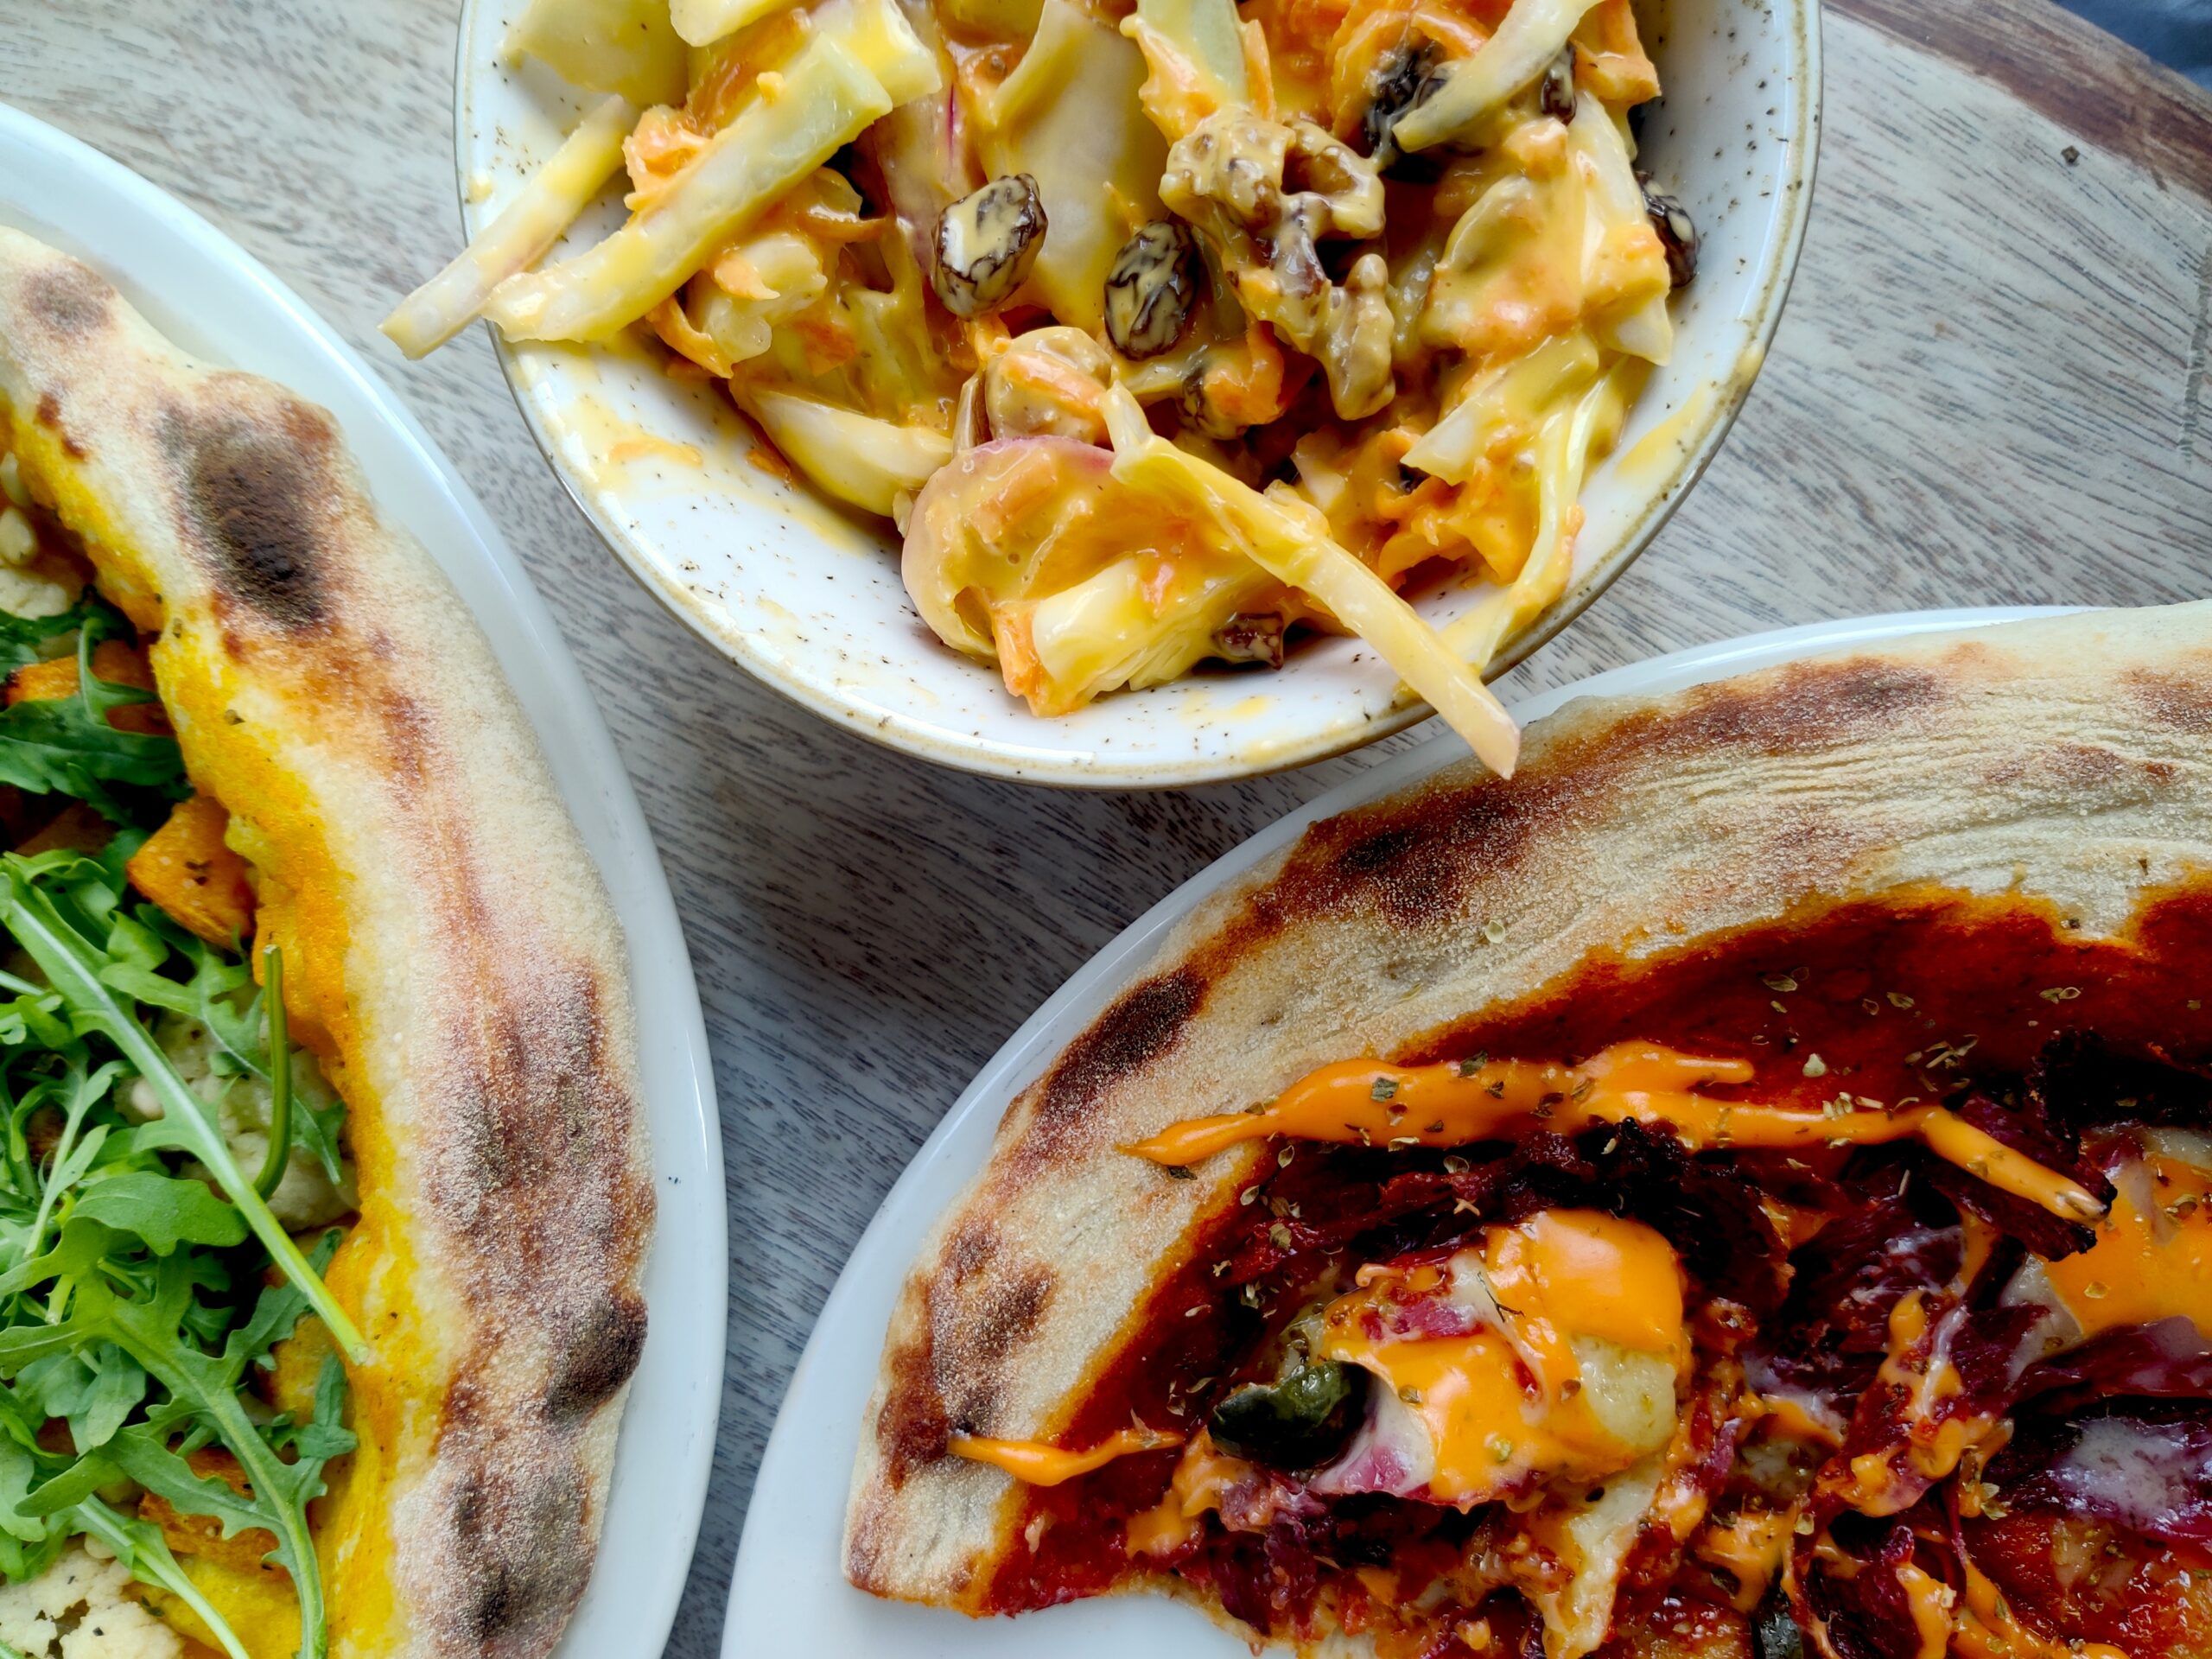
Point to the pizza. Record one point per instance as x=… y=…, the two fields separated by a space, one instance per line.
x=324 y=1196
x=1742 y=1186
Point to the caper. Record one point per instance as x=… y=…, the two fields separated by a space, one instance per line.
x=1775 y=1632
x=986 y=242
x=1403 y=78
x=1556 y=95
x=1677 y=233
x=1299 y=1422
x=1152 y=288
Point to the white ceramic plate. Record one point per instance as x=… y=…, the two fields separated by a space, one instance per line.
x=204 y=291
x=808 y=598
x=788 y=1594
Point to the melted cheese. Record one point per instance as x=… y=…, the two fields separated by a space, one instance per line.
x=1929 y=1600
x=2153 y=1258
x=1569 y=1344
x=1591 y=1534
x=1455 y=1103
x=1203 y=1474
x=1750 y=1548
x=1985 y=1627
x=1039 y=1465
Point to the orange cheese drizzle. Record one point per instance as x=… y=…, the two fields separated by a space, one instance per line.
x=1563 y=1274
x=1929 y=1600
x=1038 y=1464
x=2146 y=1267
x=1986 y=1628
x=1454 y=1103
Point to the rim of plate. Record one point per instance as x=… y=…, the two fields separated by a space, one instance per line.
x=217 y=300
x=787 y=1584
x=896 y=730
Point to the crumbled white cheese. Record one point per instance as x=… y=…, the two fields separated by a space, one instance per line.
x=18 y=541
x=12 y=481
x=82 y=1608
x=30 y=592
x=305 y=1197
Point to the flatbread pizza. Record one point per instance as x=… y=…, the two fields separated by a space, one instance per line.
x=1742 y=1186
x=324 y=1196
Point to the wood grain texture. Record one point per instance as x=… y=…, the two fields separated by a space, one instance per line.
x=1990 y=387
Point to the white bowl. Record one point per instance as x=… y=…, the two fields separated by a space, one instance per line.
x=214 y=299
x=807 y=596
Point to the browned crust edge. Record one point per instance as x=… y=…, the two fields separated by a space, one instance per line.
x=330 y=687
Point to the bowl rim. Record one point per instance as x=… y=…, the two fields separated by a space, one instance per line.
x=985 y=757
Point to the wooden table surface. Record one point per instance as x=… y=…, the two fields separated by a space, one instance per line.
x=1990 y=387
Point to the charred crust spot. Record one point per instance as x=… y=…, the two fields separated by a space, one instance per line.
x=2183 y=702
x=597 y=1356
x=1010 y=1311
x=68 y=299
x=48 y=413
x=252 y=491
x=1411 y=860
x=912 y=1430
x=1795 y=707
x=1405 y=859
x=521 y=1539
x=1143 y=1024
x=493 y=1604
x=970 y=1250
x=977 y=1310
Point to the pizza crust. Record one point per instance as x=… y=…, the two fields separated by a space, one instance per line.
x=2068 y=760
x=452 y=958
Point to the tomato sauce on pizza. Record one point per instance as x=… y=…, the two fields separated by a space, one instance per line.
x=1836 y=1284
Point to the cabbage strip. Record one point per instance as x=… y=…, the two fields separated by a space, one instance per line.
x=518 y=236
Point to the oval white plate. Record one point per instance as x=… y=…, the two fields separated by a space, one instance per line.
x=211 y=298
x=788 y=1594
x=808 y=598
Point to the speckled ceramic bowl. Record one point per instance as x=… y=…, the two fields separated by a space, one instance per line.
x=807 y=596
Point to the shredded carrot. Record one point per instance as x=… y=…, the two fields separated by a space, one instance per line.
x=676 y=333
x=769 y=460
x=1611 y=55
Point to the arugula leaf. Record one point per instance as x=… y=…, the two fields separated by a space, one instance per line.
x=21 y=637
x=65 y=745
x=143 y=1550
x=73 y=965
x=163 y=1209
x=217 y=996
x=132 y=1297
x=95 y=1389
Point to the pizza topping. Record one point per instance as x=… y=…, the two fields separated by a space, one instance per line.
x=1454 y=1103
x=1509 y=1355
x=151 y=1286
x=1301 y=1419
x=1551 y=1351
x=1048 y=1465
x=81 y=722
x=186 y=868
